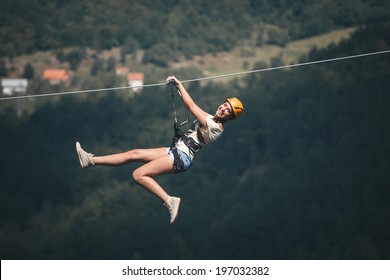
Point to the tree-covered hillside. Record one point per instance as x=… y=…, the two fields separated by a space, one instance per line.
x=302 y=175
x=172 y=28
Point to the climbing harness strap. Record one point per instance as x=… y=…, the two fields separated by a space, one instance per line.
x=191 y=144
x=172 y=84
x=194 y=147
x=178 y=164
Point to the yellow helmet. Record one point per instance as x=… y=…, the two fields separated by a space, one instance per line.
x=236 y=105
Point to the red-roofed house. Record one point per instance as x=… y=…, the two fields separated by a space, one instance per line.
x=136 y=80
x=56 y=76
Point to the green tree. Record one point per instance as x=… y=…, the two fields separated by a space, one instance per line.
x=3 y=68
x=74 y=58
x=29 y=71
x=160 y=55
x=96 y=67
x=111 y=63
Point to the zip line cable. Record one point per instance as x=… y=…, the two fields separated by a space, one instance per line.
x=76 y=91
x=287 y=66
x=201 y=79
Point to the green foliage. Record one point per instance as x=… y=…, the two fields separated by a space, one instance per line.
x=160 y=55
x=29 y=71
x=111 y=63
x=74 y=58
x=3 y=69
x=96 y=67
x=277 y=36
x=184 y=26
x=303 y=174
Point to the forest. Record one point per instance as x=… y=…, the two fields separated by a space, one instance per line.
x=303 y=174
x=173 y=28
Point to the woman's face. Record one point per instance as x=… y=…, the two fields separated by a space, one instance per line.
x=224 y=111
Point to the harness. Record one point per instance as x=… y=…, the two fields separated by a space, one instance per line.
x=193 y=146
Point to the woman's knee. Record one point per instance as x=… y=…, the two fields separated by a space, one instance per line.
x=137 y=176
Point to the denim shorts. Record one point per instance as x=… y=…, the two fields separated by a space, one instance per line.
x=183 y=156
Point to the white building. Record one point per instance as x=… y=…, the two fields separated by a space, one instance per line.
x=136 y=81
x=12 y=86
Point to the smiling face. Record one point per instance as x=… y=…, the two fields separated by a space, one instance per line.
x=224 y=111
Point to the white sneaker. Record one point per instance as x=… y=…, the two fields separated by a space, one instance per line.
x=84 y=157
x=173 y=204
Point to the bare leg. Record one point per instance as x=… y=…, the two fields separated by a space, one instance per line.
x=160 y=166
x=144 y=175
x=157 y=162
x=139 y=155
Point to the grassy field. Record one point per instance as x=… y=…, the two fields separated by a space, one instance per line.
x=244 y=58
x=239 y=59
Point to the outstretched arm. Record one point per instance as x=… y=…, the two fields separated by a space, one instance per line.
x=198 y=113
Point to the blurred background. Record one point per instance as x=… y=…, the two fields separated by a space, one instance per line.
x=303 y=174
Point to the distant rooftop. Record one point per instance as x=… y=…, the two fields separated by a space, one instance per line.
x=135 y=76
x=14 y=83
x=11 y=86
x=55 y=74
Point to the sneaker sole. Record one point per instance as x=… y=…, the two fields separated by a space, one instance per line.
x=177 y=212
x=78 y=148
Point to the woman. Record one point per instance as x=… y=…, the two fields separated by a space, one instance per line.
x=179 y=157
